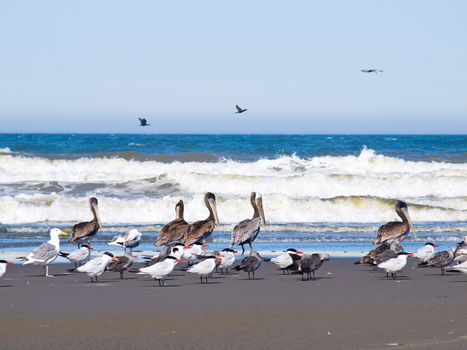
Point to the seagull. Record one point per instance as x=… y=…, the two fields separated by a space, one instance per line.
x=395 y=264
x=77 y=256
x=426 y=252
x=227 y=256
x=205 y=267
x=3 y=264
x=129 y=240
x=160 y=269
x=308 y=264
x=371 y=71
x=240 y=109
x=96 y=267
x=45 y=253
x=143 y=122
x=250 y=264
x=285 y=260
x=122 y=264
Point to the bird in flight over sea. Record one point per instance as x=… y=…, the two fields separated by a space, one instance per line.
x=143 y=122
x=240 y=109
x=372 y=71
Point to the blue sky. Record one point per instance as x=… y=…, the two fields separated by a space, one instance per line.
x=94 y=66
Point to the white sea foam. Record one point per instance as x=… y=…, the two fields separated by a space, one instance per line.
x=319 y=189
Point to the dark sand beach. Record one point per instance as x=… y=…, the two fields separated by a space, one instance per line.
x=348 y=307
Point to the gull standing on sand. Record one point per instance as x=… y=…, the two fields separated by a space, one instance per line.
x=175 y=230
x=200 y=230
x=96 y=267
x=3 y=264
x=442 y=259
x=247 y=230
x=122 y=264
x=47 y=252
x=426 y=252
x=79 y=255
x=308 y=264
x=85 y=230
x=160 y=269
x=128 y=239
x=396 y=264
x=285 y=260
x=395 y=231
x=250 y=263
x=227 y=256
x=205 y=267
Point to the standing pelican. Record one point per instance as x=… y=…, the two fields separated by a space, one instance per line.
x=395 y=231
x=247 y=230
x=175 y=230
x=85 y=230
x=200 y=230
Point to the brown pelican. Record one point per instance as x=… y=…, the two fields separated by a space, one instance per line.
x=395 y=231
x=175 y=230
x=247 y=230
x=200 y=230
x=85 y=230
x=240 y=109
x=143 y=122
x=250 y=263
x=442 y=259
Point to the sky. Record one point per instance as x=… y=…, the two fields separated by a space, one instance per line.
x=95 y=66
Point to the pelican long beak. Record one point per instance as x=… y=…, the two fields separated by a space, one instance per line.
x=259 y=203
x=212 y=203
x=63 y=233
x=98 y=217
x=411 y=228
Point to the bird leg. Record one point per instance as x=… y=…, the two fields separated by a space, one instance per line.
x=92 y=281
x=201 y=279
x=442 y=271
x=121 y=275
x=243 y=249
x=314 y=275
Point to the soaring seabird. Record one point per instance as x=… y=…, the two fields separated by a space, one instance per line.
x=200 y=230
x=395 y=231
x=240 y=109
x=371 y=70
x=143 y=122
x=47 y=252
x=85 y=230
x=246 y=231
x=175 y=230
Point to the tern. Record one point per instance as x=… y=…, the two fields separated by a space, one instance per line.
x=96 y=267
x=79 y=255
x=205 y=267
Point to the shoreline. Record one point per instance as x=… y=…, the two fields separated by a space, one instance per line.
x=347 y=307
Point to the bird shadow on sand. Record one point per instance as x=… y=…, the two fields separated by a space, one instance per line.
x=398 y=278
x=251 y=279
x=55 y=275
x=157 y=286
x=6 y=286
x=463 y=281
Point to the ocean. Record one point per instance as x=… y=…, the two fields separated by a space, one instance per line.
x=320 y=192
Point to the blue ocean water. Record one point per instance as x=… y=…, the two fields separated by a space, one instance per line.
x=320 y=192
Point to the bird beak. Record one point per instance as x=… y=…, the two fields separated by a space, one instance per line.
x=114 y=259
x=63 y=233
x=410 y=254
x=212 y=203
x=98 y=217
x=204 y=245
x=9 y=263
x=235 y=251
x=186 y=246
x=299 y=252
x=218 y=259
x=436 y=245
x=259 y=203
x=179 y=260
x=411 y=228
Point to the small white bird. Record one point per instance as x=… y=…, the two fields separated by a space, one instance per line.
x=128 y=239
x=426 y=252
x=3 y=264
x=227 y=256
x=287 y=258
x=395 y=264
x=47 y=252
x=195 y=249
x=79 y=255
x=160 y=269
x=205 y=267
x=96 y=267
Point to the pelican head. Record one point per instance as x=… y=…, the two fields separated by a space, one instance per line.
x=93 y=204
x=210 y=200
x=259 y=204
x=179 y=208
x=402 y=206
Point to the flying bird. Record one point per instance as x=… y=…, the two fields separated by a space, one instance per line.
x=240 y=109
x=376 y=71
x=143 y=122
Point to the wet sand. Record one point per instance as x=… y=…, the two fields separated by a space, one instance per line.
x=347 y=307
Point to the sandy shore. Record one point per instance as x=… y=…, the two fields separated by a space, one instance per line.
x=348 y=307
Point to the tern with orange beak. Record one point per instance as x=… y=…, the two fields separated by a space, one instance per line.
x=3 y=265
x=96 y=267
x=161 y=269
x=396 y=264
x=285 y=260
x=205 y=267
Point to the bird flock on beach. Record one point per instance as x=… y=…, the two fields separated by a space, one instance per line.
x=185 y=243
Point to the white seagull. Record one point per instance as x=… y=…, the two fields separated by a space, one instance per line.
x=128 y=239
x=227 y=256
x=47 y=252
x=96 y=267
x=3 y=264
x=395 y=264
x=160 y=269
x=205 y=267
x=79 y=255
x=426 y=252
